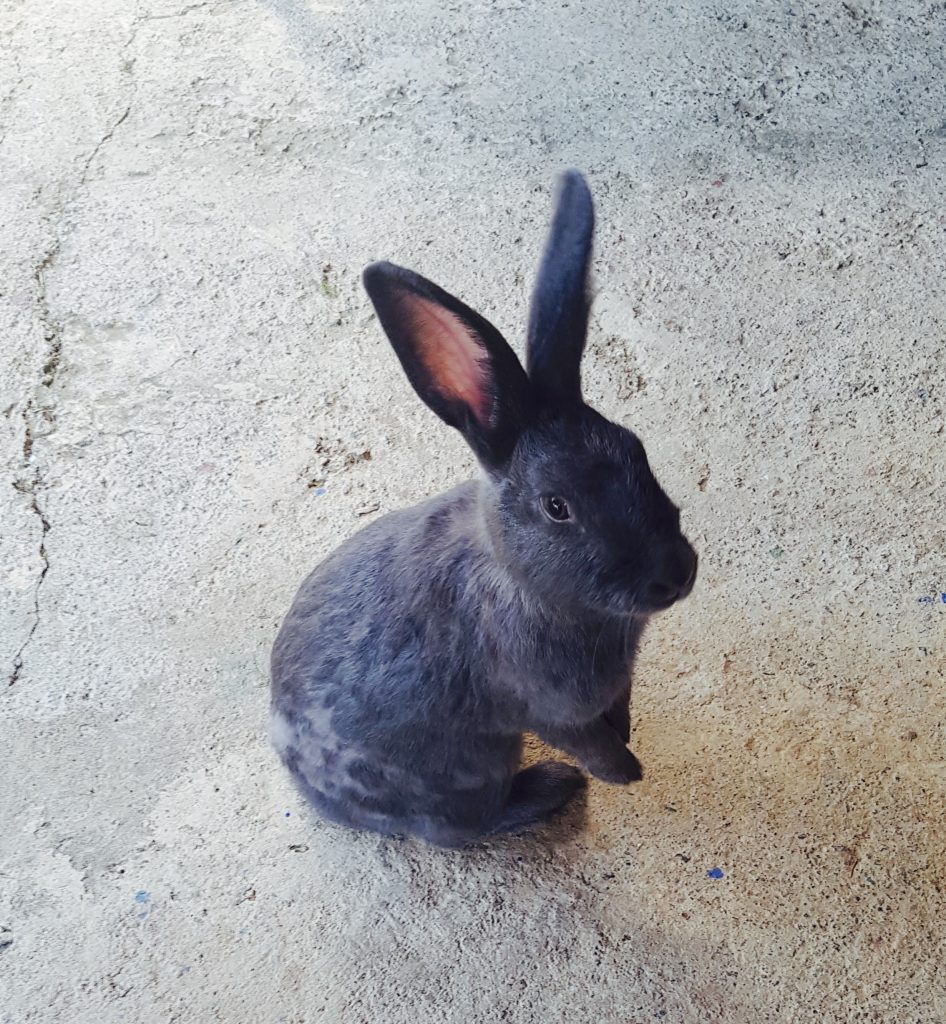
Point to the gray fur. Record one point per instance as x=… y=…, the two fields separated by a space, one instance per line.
x=416 y=655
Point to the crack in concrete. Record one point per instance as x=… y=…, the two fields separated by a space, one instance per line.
x=128 y=67
x=30 y=489
x=32 y=484
x=107 y=137
x=41 y=413
x=39 y=416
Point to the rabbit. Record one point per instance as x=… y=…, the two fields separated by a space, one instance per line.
x=416 y=655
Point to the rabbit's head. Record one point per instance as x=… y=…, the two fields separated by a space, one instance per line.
x=575 y=513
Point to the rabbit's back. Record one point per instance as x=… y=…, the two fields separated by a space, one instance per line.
x=381 y=703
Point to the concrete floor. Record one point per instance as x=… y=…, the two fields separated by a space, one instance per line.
x=191 y=382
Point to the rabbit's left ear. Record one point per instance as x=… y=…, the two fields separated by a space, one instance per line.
x=558 y=320
x=458 y=363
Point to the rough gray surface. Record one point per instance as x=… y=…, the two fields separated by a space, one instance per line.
x=187 y=196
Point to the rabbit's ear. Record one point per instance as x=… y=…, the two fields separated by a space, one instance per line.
x=459 y=364
x=558 y=320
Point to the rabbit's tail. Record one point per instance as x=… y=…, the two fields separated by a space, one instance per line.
x=538 y=792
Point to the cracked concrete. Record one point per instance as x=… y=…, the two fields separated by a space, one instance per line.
x=30 y=489
x=28 y=481
x=197 y=405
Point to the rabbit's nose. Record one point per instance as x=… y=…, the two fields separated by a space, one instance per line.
x=676 y=579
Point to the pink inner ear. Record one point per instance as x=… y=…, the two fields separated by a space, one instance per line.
x=453 y=357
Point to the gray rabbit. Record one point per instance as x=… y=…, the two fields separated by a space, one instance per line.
x=416 y=655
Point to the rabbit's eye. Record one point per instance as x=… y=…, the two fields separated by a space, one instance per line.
x=556 y=509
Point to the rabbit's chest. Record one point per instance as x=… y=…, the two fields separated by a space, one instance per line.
x=573 y=675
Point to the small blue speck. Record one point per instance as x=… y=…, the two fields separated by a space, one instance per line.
x=926 y=599
x=942 y=597
x=319 y=491
x=287 y=814
x=143 y=899
x=715 y=873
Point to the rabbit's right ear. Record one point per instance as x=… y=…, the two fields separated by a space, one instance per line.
x=458 y=363
x=558 y=319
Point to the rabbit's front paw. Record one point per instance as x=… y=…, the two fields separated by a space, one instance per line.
x=619 y=770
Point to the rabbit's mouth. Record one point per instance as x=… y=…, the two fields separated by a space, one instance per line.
x=661 y=594
x=655 y=604
x=657 y=594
